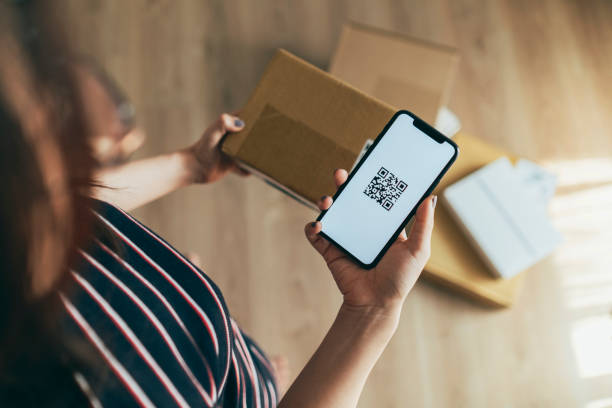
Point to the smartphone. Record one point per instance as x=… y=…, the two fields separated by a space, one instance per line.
x=382 y=193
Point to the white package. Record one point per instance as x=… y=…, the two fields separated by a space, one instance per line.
x=447 y=122
x=502 y=219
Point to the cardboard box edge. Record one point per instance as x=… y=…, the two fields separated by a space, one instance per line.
x=235 y=142
x=401 y=36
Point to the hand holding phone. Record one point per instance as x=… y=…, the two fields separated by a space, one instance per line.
x=360 y=231
x=382 y=193
x=387 y=284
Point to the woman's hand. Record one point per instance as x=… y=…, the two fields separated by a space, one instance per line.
x=139 y=182
x=385 y=286
x=337 y=372
x=207 y=162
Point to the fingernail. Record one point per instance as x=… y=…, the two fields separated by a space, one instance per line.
x=238 y=123
x=313 y=224
x=323 y=198
x=434 y=201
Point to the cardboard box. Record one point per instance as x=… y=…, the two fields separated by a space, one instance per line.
x=301 y=125
x=403 y=71
x=417 y=75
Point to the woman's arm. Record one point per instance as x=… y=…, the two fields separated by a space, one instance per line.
x=336 y=373
x=134 y=184
x=137 y=183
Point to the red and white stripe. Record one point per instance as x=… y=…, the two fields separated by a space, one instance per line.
x=86 y=388
x=269 y=385
x=170 y=309
x=198 y=274
x=156 y=323
x=124 y=376
x=244 y=397
x=237 y=371
x=264 y=390
x=261 y=358
x=272 y=390
x=133 y=339
x=246 y=356
x=207 y=323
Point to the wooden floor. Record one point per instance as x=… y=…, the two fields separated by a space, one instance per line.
x=535 y=77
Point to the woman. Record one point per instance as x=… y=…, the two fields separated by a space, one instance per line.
x=96 y=309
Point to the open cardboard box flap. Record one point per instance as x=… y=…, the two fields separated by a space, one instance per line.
x=405 y=72
x=301 y=124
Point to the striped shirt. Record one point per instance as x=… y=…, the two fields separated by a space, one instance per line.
x=155 y=328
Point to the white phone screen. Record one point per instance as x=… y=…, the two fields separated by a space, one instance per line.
x=385 y=189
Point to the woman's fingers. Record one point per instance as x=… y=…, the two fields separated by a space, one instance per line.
x=340 y=176
x=312 y=229
x=319 y=243
x=224 y=124
x=213 y=136
x=419 y=239
x=325 y=202
x=231 y=123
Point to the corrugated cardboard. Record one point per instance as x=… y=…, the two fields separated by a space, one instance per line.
x=301 y=124
x=402 y=71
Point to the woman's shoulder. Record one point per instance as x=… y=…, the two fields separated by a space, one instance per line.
x=132 y=243
x=158 y=324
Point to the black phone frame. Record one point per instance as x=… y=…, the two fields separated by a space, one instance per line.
x=429 y=131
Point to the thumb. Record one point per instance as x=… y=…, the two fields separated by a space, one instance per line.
x=419 y=239
x=319 y=243
x=232 y=123
x=224 y=124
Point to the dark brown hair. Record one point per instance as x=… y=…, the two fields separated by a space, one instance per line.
x=35 y=367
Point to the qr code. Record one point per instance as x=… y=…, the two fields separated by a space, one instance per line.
x=385 y=188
